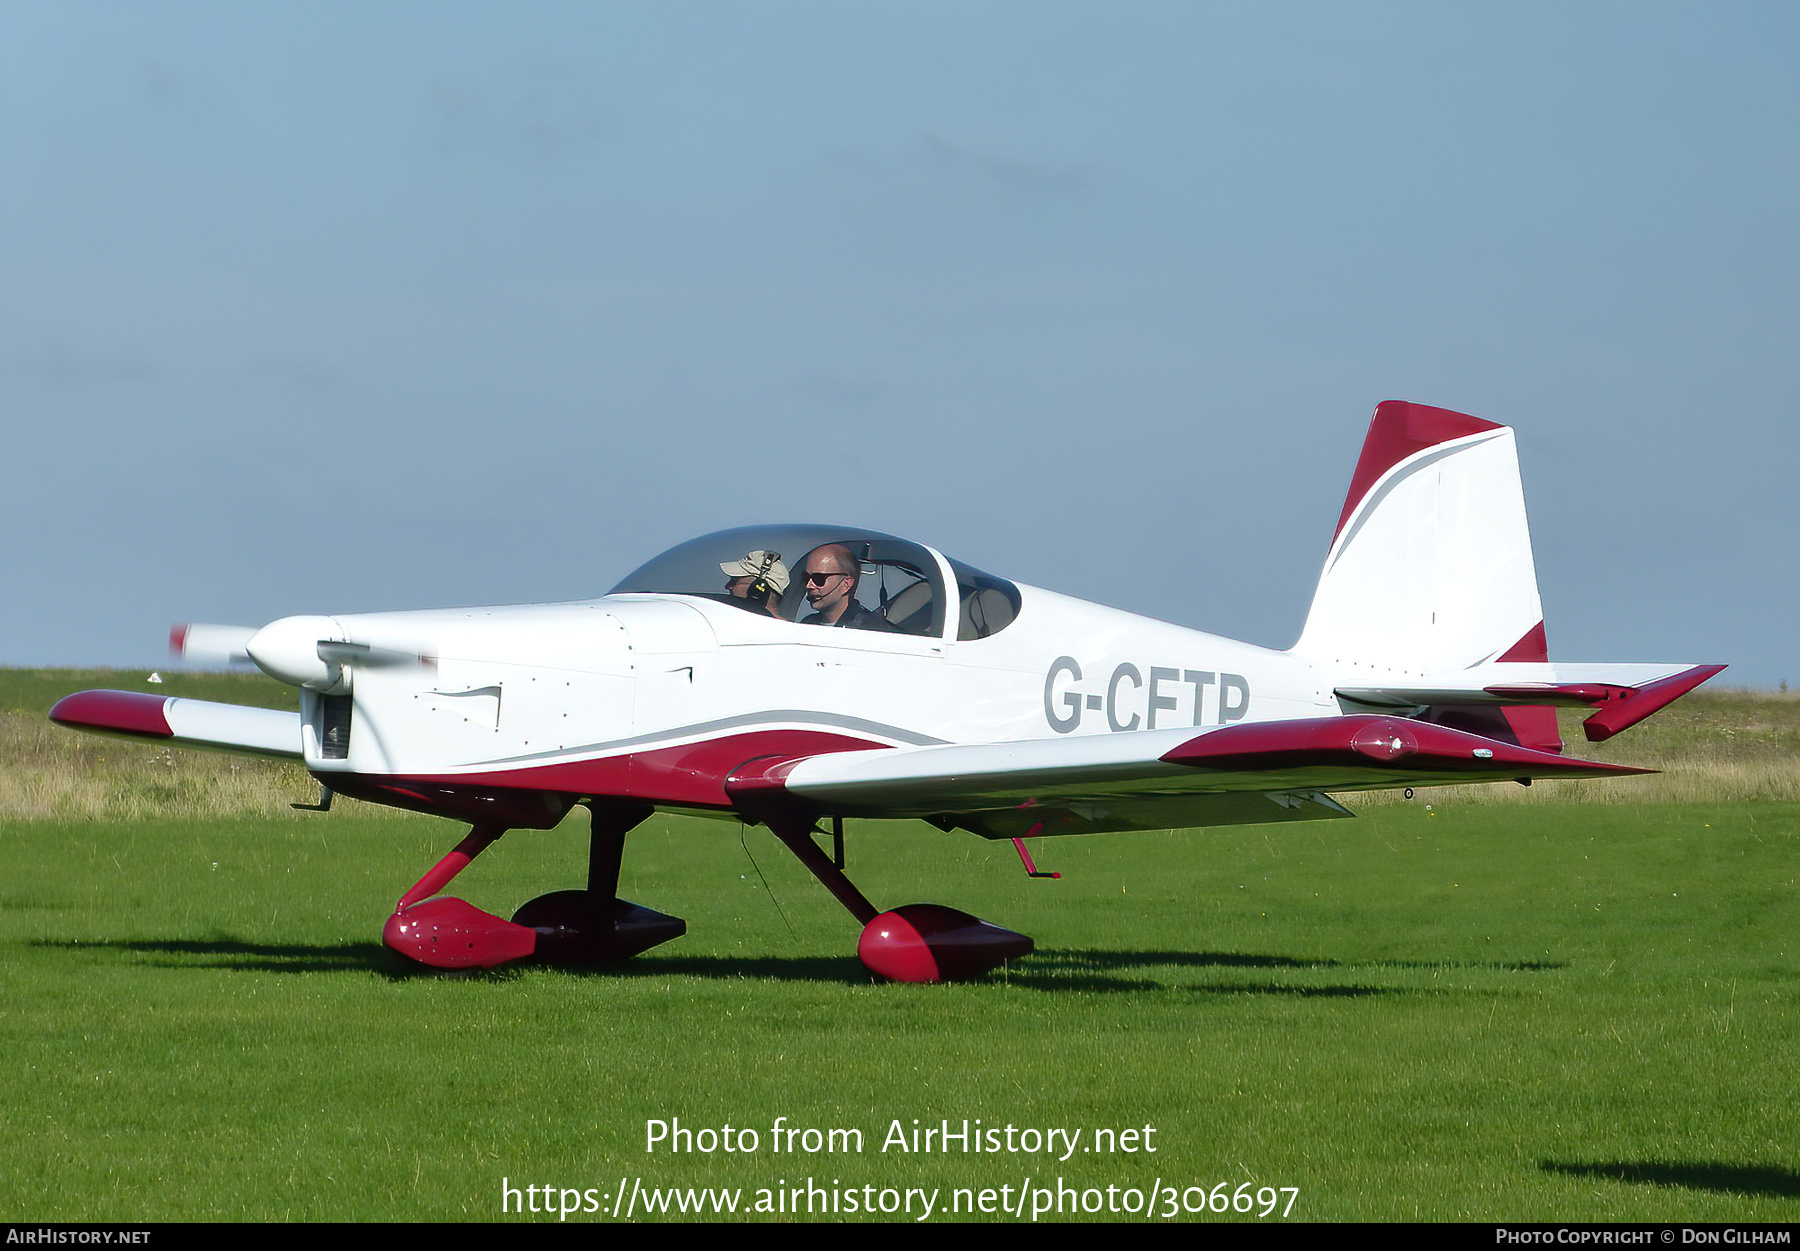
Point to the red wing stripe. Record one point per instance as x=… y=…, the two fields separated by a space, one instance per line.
x=115 y=712
x=1364 y=741
x=689 y=774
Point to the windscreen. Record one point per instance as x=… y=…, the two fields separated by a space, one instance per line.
x=816 y=575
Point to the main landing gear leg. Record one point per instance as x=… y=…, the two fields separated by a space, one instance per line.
x=915 y=943
x=450 y=933
x=595 y=926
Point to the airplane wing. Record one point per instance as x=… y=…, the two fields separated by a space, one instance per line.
x=1150 y=779
x=1243 y=774
x=182 y=722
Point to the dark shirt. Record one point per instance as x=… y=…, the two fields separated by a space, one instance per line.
x=855 y=617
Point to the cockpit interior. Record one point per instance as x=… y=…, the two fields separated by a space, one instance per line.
x=832 y=576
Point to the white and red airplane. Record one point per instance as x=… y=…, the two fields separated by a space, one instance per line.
x=790 y=675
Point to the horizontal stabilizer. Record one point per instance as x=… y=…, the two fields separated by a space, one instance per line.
x=182 y=722
x=1622 y=695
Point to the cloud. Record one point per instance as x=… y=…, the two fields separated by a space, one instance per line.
x=1026 y=176
x=62 y=367
x=160 y=82
x=541 y=114
x=840 y=392
x=296 y=375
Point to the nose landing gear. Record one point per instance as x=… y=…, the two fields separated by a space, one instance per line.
x=595 y=926
x=592 y=926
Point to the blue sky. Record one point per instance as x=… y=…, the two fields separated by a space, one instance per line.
x=336 y=307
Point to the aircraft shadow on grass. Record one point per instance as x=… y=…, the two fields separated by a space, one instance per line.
x=1091 y=972
x=1088 y=971
x=230 y=953
x=1731 y=1179
x=1238 y=959
x=1098 y=970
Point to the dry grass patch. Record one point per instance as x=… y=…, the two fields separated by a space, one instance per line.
x=49 y=773
x=1723 y=746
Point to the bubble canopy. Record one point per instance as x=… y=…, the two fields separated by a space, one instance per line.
x=895 y=586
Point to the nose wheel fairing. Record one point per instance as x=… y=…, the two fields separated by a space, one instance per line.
x=450 y=933
x=566 y=927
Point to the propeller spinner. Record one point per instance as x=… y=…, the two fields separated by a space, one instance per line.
x=306 y=651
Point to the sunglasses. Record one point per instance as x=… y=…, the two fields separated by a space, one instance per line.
x=820 y=579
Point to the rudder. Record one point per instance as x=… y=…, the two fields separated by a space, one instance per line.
x=1430 y=569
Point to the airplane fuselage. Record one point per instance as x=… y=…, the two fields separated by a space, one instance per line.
x=584 y=697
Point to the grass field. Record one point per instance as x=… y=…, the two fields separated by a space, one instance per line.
x=1484 y=1010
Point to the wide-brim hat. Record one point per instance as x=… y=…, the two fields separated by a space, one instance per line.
x=759 y=564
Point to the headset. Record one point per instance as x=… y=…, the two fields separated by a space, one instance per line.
x=759 y=590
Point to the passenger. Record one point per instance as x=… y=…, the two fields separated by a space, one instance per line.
x=759 y=579
x=832 y=572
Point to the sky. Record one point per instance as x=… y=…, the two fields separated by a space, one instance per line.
x=336 y=307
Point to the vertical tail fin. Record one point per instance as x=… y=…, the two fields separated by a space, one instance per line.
x=1430 y=569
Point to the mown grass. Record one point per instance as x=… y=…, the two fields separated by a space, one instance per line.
x=1476 y=1010
x=1483 y=1012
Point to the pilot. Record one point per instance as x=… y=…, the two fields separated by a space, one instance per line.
x=759 y=579
x=832 y=572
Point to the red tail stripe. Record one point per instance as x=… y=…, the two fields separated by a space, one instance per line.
x=1397 y=431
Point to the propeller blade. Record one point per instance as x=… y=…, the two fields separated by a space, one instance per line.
x=367 y=656
x=292 y=650
x=201 y=646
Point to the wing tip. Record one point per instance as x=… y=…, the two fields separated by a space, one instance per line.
x=135 y=714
